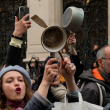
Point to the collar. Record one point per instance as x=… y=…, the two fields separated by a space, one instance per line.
x=105 y=75
x=100 y=75
x=97 y=75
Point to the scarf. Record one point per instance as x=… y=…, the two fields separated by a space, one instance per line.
x=59 y=92
x=104 y=75
x=17 y=105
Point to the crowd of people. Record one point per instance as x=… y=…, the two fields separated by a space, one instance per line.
x=48 y=83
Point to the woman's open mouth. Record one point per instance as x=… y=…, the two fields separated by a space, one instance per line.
x=18 y=90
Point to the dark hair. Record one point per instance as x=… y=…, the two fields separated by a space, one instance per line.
x=3 y=64
x=27 y=97
x=35 y=79
x=63 y=49
x=92 y=67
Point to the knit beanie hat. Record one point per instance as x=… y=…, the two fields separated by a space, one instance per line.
x=16 y=68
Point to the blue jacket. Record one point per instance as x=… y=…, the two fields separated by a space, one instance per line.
x=107 y=107
x=37 y=102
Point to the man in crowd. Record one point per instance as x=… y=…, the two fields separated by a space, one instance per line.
x=101 y=75
x=33 y=67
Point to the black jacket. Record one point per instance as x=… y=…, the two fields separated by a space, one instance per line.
x=79 y=65
x=94 y=53
x=13 y=56
x=90 y=91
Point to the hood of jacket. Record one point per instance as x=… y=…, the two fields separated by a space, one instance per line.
x=94 y=76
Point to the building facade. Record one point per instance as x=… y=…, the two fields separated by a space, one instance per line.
x=94 y=29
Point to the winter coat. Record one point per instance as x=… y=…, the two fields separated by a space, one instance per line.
x=90 y=92
x=37 y=102
x=13 y=56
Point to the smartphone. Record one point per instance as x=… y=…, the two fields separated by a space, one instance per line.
x=23 y=10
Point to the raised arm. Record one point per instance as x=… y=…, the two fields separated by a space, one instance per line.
x=29 y=64
x=39 y=100
x=75 y=58
x=72 y=40
x=21 y=26
x=67 y=69
x=13 y=56
x=51 y=70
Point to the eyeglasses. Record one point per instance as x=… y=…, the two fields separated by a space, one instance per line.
x=105 y=58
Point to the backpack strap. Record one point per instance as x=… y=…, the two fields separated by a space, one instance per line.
x=81 y=84
x=100 y=87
